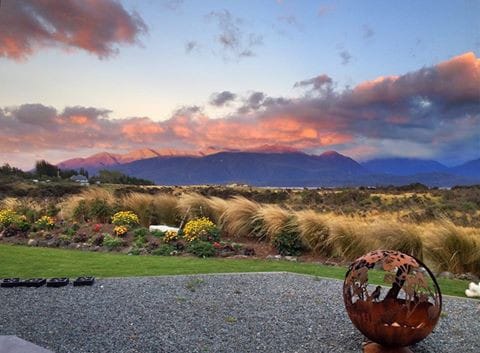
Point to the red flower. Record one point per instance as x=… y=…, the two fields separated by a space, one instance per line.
x=97 y=227
x=217 y=245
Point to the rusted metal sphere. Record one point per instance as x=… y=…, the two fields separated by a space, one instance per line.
x=402 y=312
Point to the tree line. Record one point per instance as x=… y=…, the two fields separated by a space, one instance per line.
x=43 y=169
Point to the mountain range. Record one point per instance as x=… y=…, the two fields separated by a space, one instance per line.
x=276 y=166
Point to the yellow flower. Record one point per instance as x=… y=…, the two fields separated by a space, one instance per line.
x=120 y=230
x=125 y=218
x=170 y=235
x=8 y=217
x=199 y=228
x=45 y=222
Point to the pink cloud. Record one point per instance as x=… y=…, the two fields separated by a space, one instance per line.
x=415 y=109
x=97 y=27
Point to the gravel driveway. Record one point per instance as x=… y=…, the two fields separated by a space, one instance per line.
x=261 y=312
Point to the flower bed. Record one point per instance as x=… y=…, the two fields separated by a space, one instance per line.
x=199 y=237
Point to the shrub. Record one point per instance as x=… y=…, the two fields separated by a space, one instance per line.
x=139 y=242
x=96 y=239
x=164 y=250
x=70 y=231
x=81 y=211
x=200 y=229
x=80 y=238
x=22 y=225
x=111 y=241
x=8 y=217
x=158 y=234
x=45 y=222
x=288 y=243
x=201 y=248
x=64 y=238
x=100 y=210
x=140 y=232
x=94 y=202
x=125 y=218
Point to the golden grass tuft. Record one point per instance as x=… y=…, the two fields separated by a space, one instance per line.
x=98 y=193
x=152 y=209
x=347 y=239
x=217 y=207
x=271 y=220
x=314 y=231
x=21 y=204
x=194 y=205
x=454 y=249
x=89 y=196
x=238 y=219
x=392 y=235
x=67 y=206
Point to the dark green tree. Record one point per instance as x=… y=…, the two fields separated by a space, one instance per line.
x=44 y=168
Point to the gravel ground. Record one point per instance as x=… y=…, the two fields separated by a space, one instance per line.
x=275 y=312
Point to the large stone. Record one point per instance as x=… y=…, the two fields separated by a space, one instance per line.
x=468 y=277
x=446 y=274
x=162 y=228
x=13 y=344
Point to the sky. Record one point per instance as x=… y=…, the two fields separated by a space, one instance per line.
x=369 y=79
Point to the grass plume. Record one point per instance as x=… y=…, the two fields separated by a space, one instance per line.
x=238 y=220
x=314 y=231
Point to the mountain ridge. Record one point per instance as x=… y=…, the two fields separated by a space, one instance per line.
x=276 y=166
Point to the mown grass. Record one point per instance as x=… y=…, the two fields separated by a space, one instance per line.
x=26 y=262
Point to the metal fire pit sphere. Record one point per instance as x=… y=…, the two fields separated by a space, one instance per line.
x=401 y=313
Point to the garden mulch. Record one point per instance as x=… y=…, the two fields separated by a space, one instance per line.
x=259 y=312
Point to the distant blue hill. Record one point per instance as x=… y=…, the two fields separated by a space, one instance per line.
x=469 y=169
x=261 y=169
x=404 y=166
x=287 y=169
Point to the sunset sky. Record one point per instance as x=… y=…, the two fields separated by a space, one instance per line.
x=365 y=78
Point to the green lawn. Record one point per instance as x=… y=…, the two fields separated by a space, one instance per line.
x=25 y=262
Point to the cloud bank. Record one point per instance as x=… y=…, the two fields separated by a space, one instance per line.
x=431 y=112
x=97 y=27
